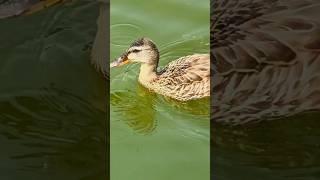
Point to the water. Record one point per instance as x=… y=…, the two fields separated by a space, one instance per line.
x=52 y=107
x=282 y=149
x=153 y=137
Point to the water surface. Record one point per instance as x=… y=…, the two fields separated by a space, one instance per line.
x=286 y=148
x=52 y=101
x=153 y=137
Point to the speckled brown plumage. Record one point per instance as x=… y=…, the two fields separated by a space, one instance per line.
x=265 y=59
x=184 y=79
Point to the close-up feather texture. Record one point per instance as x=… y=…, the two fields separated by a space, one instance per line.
x=264 y=59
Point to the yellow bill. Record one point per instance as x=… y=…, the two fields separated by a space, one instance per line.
x=120 y=61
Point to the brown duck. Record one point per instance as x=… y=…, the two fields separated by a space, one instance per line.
x=184 y=79
x=265 y=59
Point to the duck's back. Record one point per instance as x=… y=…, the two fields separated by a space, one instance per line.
x=266 y=65
x=185 y=79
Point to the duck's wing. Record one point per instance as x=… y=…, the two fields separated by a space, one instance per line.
x=247 y=34
x=262 y=53
x=186 y=70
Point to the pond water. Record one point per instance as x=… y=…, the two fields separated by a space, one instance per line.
x=52 y=101
x=281 y=149
x=153 y=137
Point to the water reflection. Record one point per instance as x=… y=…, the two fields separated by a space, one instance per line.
x=136 y=107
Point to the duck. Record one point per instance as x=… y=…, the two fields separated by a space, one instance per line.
x=184 y=79
x=265 y=59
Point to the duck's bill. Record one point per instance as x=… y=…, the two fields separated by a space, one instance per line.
x=120 y=62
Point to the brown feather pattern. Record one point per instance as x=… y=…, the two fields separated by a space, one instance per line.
x=184 y=79
x=265 y=59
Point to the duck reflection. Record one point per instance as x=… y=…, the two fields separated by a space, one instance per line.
x=137 y=108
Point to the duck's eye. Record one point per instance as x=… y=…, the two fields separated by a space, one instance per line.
x=135 y=50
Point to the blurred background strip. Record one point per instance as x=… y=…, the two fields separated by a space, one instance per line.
x=53 y=101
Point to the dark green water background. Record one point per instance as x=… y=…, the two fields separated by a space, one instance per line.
x=282 y=149
x=52 y=101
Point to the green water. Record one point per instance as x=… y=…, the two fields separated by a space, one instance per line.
x=52 y=101
x=153 y=137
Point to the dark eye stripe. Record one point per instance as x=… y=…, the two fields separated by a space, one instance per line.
x=135 y=50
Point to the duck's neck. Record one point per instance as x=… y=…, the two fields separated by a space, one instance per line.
x=148 y=72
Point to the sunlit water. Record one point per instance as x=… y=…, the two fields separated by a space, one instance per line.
x=52 y=102
x=153 y=137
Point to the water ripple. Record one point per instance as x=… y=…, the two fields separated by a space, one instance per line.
x=124 y=33
x=51 y=126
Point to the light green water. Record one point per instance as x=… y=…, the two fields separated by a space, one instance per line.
x=153 y=137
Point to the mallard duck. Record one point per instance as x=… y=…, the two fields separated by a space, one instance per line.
x=184 y=79
x=266 y=61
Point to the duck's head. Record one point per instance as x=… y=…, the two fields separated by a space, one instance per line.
x=142 y=51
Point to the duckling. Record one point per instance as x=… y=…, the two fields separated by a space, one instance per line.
x=184 y=79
